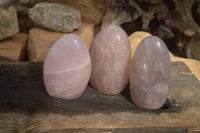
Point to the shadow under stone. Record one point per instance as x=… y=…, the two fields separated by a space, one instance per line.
x=22 y=91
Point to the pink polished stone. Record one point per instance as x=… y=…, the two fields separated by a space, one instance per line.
x=150 y=73
x=67 y=68
x=110 y=55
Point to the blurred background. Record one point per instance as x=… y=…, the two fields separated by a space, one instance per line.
x=28 y=28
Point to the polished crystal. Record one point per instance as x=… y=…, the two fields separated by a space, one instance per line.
x=150 y=73
x=67 y=67
x=110 y=54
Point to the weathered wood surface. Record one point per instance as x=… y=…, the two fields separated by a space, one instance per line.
x=26 y=107
x=177 y=22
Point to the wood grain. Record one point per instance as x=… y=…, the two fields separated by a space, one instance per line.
x=26 y=107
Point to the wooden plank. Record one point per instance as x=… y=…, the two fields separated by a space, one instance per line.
x=26 y=107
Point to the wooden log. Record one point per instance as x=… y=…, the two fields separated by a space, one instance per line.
x=121 y=11
x=26 y=107
x=182 y=18
x=193 y=65
x=174 y=21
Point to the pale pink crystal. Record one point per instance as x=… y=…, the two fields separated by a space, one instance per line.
x=150 y=73
x=110 y=55
x=67 y=68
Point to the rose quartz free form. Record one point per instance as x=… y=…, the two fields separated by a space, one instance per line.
x=150 y=74
x=67 y=68
x=110 y=55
